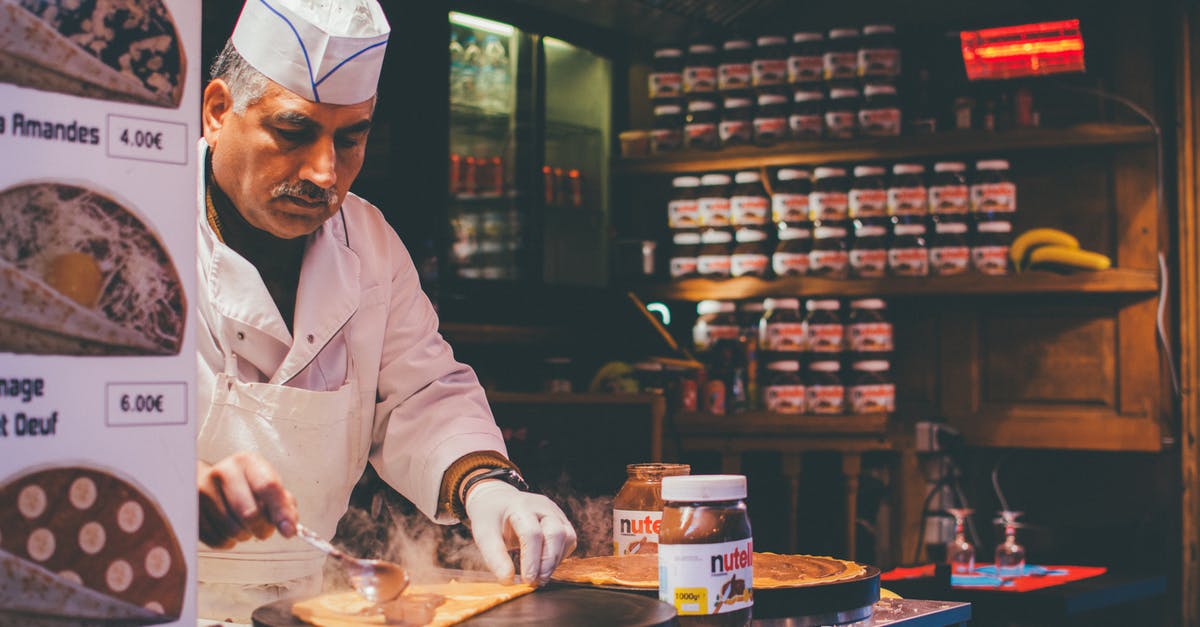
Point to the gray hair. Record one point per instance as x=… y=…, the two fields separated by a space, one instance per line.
x=245 y=83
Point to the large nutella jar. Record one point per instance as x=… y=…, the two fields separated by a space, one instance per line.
x=713 y=261
x=706 y=551
x=841 y=113
x=878 y=54
x=716 y=321
x=782 y=328
x=684 y=255
x=666 y=77
x=791 y=256
x=872 y=390
x=700 y=69
x=907 y=195
x=909 y=252
x=869 y=330
x=807 y=120
x=992 y=191
x=830 y=197
x=825 y=387
x=948 y=192
x=784 y=391
x=712 y=202
x=880 y=115
x=751 y=255
x=683 y=210
x=823 y=328
x=667 y=134
x=735 y=72
x=700 y=127
x=749 y=204
x=789 y=203
x=869 y=253
x=830 y=256
x=770 y=61
x=737 y=120
x=771 y=119
x=638 y=507
x=949 y=253
x=806 y=63
x=869 y=192
x=841 y=55
x=989 y=249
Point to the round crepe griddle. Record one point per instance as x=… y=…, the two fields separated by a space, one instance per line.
x=551 y=607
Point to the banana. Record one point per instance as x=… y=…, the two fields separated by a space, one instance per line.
x=614 y=377
x=1054 y=257
x=1033 y=239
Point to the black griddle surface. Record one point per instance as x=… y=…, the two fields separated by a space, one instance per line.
x=545 y=608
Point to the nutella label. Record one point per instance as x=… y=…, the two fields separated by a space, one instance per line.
x=713 y=265
x=907 y=201
x=700 y=135
x=699 y=79
x=733 y=131
x=786 y=337
x=749 y=210
x=868 y=399
x=990 y=259
x=822 y=262
x=870 y=337
x=945 y=261
x=789 y=264
x=789 y=207
x=868 y=203
x=769 y=72
x=840 y=65
x=869 y=263
x=909 y=261
x=841 y=124
x=666 y=84
x=785 y=399
x=994 y=197
x=714 y=211
x=805 y=69
x=683 y=214
x=733 y=76
x=718 y=332
x=825 y=338
x=749 y=265
x=879 y=62
x=949 y=199
x=770 y=128
x=665 y=139
x=831 y=206
x=635 y=531
x=806 y=126
x=683 y=267
x=703 y=579
x=826 y=399
x=879 y=121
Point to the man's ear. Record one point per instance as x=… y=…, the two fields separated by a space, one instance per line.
x=218 y=102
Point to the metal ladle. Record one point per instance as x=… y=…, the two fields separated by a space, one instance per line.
x=376 y=580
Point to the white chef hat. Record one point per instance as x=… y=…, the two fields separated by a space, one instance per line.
x=327 y=51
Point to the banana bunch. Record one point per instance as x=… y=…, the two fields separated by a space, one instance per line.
x=1052 y=249
x=615 y=377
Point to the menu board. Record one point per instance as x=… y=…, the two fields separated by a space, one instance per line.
x=99 y=110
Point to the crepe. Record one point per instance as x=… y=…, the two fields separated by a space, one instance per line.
x=462 y=601
x=123 y=50
x=80 y=274
x=771 y=570
x=79 y=544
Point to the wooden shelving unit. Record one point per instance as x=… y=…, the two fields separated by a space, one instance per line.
x=887 y=148
x=763 y=423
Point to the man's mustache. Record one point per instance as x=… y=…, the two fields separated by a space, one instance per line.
x=305 y=190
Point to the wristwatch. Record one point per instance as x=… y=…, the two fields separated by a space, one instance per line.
x=507 y=475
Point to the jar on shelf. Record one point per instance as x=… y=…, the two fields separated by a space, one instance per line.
x=734 y=72
x=869 y=192
x=700 y=127
x=841 y=113
x=949 y=252
x=782 y=328
x=806 y=63
x=825 y=388
x=667 y=134
x=713 y=260
x=869 y=252
x=878 y=54
x=770 y=67
x=907 y=196
x=791 y=256
x=989 y=248
x=789 y=202
x=751 y=255
x=830 y=197
x=638 y=507
x=908 y=254
x=841 y=55
x=700 y=69
x=737 y=120
x=666 y=73
x=749 y=204
x=685 y=255
x=949 y=196
x=872 y=390
x=825 y=331
x=807 y=120
x=992 y=189
x=716 y=321
x=683 y=210
x=784 y=391
x=713 y=202
x=830 y=256
x=880 y=114
x=771 y=119
x=869 y=331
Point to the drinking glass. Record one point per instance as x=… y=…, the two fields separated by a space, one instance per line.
x=1010 y=556
x=961 y=553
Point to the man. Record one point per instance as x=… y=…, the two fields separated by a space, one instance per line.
x=318 y=352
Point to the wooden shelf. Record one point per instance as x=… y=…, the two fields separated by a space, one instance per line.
x=886 y=148
x=763 y=423
x=1114 y=281
x=546 y=398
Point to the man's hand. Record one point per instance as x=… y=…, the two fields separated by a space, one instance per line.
x=503 y=517
x=241 y=497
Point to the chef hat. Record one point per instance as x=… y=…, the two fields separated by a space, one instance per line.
x=322 y=50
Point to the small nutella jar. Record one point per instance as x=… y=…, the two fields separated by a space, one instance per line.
x=667 y=134
x=841 y=55
x=791 y=256
x=949 y=253
x=830 y=256
x=782 y=328
x=638 y=507
x=823 y=327
x=869 y=252
x=684 y=255
x=830 y=197
x=712 y=200
x=683 y=210
x=878 y=54
x=872 y=390
x=737 y=121
x=869 y=331
x=989 y=248
x=771 y=119
x=826 y=389
x=751 y=255
x=749 y=204
x=869 y=192
x=666 y=74
x=789 y=203
x=992 y=191
x=784 y=391
x=770 y=67
x=841 y=113
x=949 y=195
x=806 y=62
x=705 y=518
x=713 y=261
x=700 y=69
x=735 y=71
x=880 y=114
x=908 y=254
x=807 y=120
x=907 y=195
x=700 y=128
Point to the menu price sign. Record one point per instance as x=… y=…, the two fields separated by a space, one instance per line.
x=98 y=508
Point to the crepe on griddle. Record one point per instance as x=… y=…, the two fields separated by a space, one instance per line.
x=463 y=599
x=122 y=50
x=771 y=570
x=81 y=274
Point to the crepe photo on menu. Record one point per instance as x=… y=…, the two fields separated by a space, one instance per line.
x=83 y=274
x=122 y=50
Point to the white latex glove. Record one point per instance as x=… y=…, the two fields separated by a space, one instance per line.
x=502 y=517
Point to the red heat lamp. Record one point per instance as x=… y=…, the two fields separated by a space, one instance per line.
x=1025 y=50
